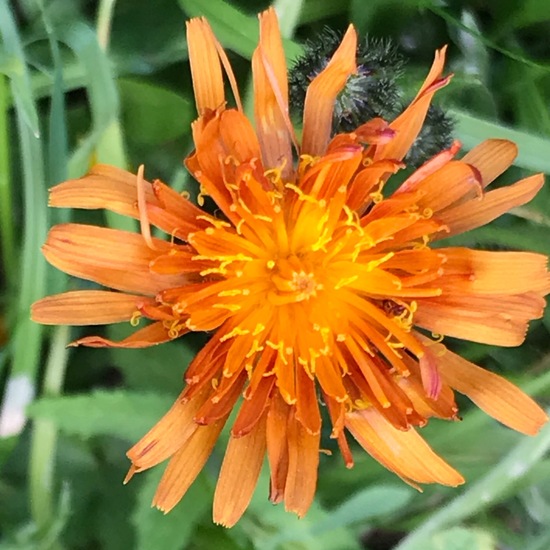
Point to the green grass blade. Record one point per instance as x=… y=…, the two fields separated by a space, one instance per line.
x=7 y=237
x=533 y=150
x=27 y=336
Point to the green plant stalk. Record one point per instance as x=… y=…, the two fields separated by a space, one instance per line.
x=44 y=435
x=7 y=242
x=103 y=23
x=110 y=146
x=484 y=492
x=26 y=341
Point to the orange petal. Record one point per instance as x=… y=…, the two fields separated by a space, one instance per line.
x=303 y=462
x=307 y=408
x=431 y=381
x=429 y=167
x=443 y=407
x=492 y=157
x=221 y=401
x=271 y=96
x=402 y=452
x=491 y=393
x=103 y=187
x=239 y=474
x=155 y=333
x=87 y=307
x=409 y=123
x=492 y=273
x=168 y=434
x=186 y=465
x=277 y=446
x=253 y=407
x=206 y=69
x=376 y=130
x=477 y=212
x=337 y=414
x=365 y=181
x=495 y=320
x=116 y=190
x=227 y=141
x=321 y=95
x=110 y=257
x=443 y=187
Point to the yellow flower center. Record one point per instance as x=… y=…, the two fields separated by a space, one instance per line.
x=293 y=281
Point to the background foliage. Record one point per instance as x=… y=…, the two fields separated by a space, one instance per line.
x=84 y=81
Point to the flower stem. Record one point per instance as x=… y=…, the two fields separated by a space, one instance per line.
x=488 y=490
x=44 y=435
x=103 y=23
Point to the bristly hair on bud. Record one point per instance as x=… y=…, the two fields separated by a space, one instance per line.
x=436 y=135
x=372 y=92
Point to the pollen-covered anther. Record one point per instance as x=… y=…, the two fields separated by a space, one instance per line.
x=237 y=331
x=134 y=321
x=345 y=281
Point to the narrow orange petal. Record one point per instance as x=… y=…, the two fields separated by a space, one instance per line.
x=443 y=187
x=112 y=258
x=431 y=381
x=206 y=69
x=228 y=136
x=239 y=474
x=303 y=462
x=402 y=452
x=409 y=123
x=477 y=212
x=167 y=435
x=253 y=407
x=442 y=407
x=87 y=307
x=496 y=320
x=238 y=137
x=221 y=401
x=155 y=333
x=491 y=393
x=271 y=96
x=307 y=408
x=322 y=92
x=481 y=272
x=337 y=415
x=186 y=465
x=115 y=189
x=366 y=180
x=492 y=157
x=277 y=446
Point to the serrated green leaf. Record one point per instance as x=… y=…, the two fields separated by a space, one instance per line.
x=171 y=531
x=119 y=413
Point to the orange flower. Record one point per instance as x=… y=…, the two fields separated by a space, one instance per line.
x=310 y=279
